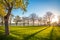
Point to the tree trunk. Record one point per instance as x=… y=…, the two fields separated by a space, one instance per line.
x=33 y=22
x=23 y=22
x=6 y=26
x=49 y=22
x=16 y=23
x=38 y=23
x=28 y=22
x=2 y=23
x=6 y=18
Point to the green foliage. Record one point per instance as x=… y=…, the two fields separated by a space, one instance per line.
x=8 y=4
x=2 y=10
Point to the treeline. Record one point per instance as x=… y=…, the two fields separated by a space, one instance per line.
x=31 y=20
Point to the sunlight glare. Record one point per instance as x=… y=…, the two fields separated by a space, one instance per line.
x=55 y=19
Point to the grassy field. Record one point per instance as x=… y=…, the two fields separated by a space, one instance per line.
x=31 y=33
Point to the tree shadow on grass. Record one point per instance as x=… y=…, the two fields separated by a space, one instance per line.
x=58 y=38
x=30 y=36
x=53 y=35
x=4 y=37
x=37 y=38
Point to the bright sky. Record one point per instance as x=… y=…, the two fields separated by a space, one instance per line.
x=40 y=7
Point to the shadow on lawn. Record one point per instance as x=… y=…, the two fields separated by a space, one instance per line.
x=30 y=36
x=58 y=38
x=3 y=37
x=37 y=38
x=53 y=35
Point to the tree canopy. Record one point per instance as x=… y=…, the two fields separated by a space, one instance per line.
x=5 y=5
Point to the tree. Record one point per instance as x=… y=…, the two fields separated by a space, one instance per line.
x=27 y=20
x=16 y=20
x=49 y=16
x=39 y=21
x=23 y=19
x=33 y=17
x=6 y=6
x=44 y=20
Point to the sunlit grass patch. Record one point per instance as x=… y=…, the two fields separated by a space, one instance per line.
x=57 y=29
x=45 y=33
x=24 y=31
x=30 y=33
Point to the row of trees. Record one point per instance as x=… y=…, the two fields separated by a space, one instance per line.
x=32 y=18
x=45 y=20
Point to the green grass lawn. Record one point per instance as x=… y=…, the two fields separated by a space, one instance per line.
x=31 y=33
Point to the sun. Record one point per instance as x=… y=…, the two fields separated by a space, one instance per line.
x=55 y=19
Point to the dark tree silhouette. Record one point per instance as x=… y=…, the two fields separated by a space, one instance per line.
x=16 y=20
x=39 y=21
x=33 y=17
x=23 y=19
x=49 y=16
